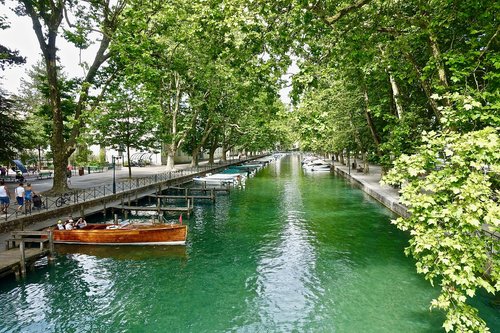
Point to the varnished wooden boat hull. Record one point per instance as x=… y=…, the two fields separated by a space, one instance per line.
x=130 y=235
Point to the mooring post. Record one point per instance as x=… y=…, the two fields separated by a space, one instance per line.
x=51 y=245
x=23 y=259
x=212 y=193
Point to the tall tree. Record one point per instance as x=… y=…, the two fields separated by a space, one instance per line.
x=82 y=20
x=126 y=122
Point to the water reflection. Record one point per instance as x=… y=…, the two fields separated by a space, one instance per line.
x=285 y=281
x=95 y=279
x=124 y=252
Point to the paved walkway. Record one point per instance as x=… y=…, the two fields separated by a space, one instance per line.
x=100 y=178
x=370 y=183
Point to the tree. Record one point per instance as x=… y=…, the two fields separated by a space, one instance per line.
x=91 y=17
x=126 y=121
x=11 y=134
x=451 y=187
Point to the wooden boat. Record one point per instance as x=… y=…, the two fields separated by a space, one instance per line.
x=128 y=234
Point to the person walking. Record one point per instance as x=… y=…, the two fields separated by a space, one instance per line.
x=28 y=196
x=19 y=192
x=4 y=196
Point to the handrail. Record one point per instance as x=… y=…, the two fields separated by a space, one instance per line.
x=83 y=195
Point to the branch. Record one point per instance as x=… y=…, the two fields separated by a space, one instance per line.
x=343 y=12
x=487 y=47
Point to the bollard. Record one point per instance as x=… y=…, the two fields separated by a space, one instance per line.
x=51 y=246
x=23 y=259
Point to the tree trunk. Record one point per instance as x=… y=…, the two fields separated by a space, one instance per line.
x=194 y=157
x=224 y=153
x=172 y=109
x=39 y=166
x=396 y=96
x=369 y=121
x=211 y=159
x=170 y=160
x=60 y=181
x=436 y=53
x=425 y=85
x=366 y=167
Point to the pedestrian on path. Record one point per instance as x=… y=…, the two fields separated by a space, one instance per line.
x=4 y=196
x=19 y=192
x=69 y=171
x=28 y=196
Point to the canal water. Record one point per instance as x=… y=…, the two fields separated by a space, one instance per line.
x=291 y=252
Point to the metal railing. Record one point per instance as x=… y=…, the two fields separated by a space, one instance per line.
x=77 y=196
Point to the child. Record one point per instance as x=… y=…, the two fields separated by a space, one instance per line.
x=19 y=192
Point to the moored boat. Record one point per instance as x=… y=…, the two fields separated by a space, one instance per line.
x=317 y=165
x=129 y=234
x=221 y=179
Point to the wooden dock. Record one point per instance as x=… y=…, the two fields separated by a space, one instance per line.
x=15 y=259
x=188 y=209
x=183 y=197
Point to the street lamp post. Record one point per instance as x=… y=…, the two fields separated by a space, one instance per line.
x=113 y=161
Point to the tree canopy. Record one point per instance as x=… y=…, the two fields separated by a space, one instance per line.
x=411 y=85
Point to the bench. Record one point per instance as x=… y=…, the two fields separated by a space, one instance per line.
x=8 y=178
x=44 y=174
x=95 y=169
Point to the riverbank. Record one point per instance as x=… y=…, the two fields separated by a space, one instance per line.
x=370 y=184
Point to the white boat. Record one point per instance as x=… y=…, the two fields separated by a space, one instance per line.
x=221 y=179
x=317 y=165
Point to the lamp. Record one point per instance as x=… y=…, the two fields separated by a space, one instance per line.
x=113 y=161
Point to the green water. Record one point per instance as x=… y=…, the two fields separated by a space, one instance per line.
x=289 y=253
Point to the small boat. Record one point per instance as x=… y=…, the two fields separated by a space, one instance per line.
x=126 y=234
x=317 y=165
x=220 y=179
